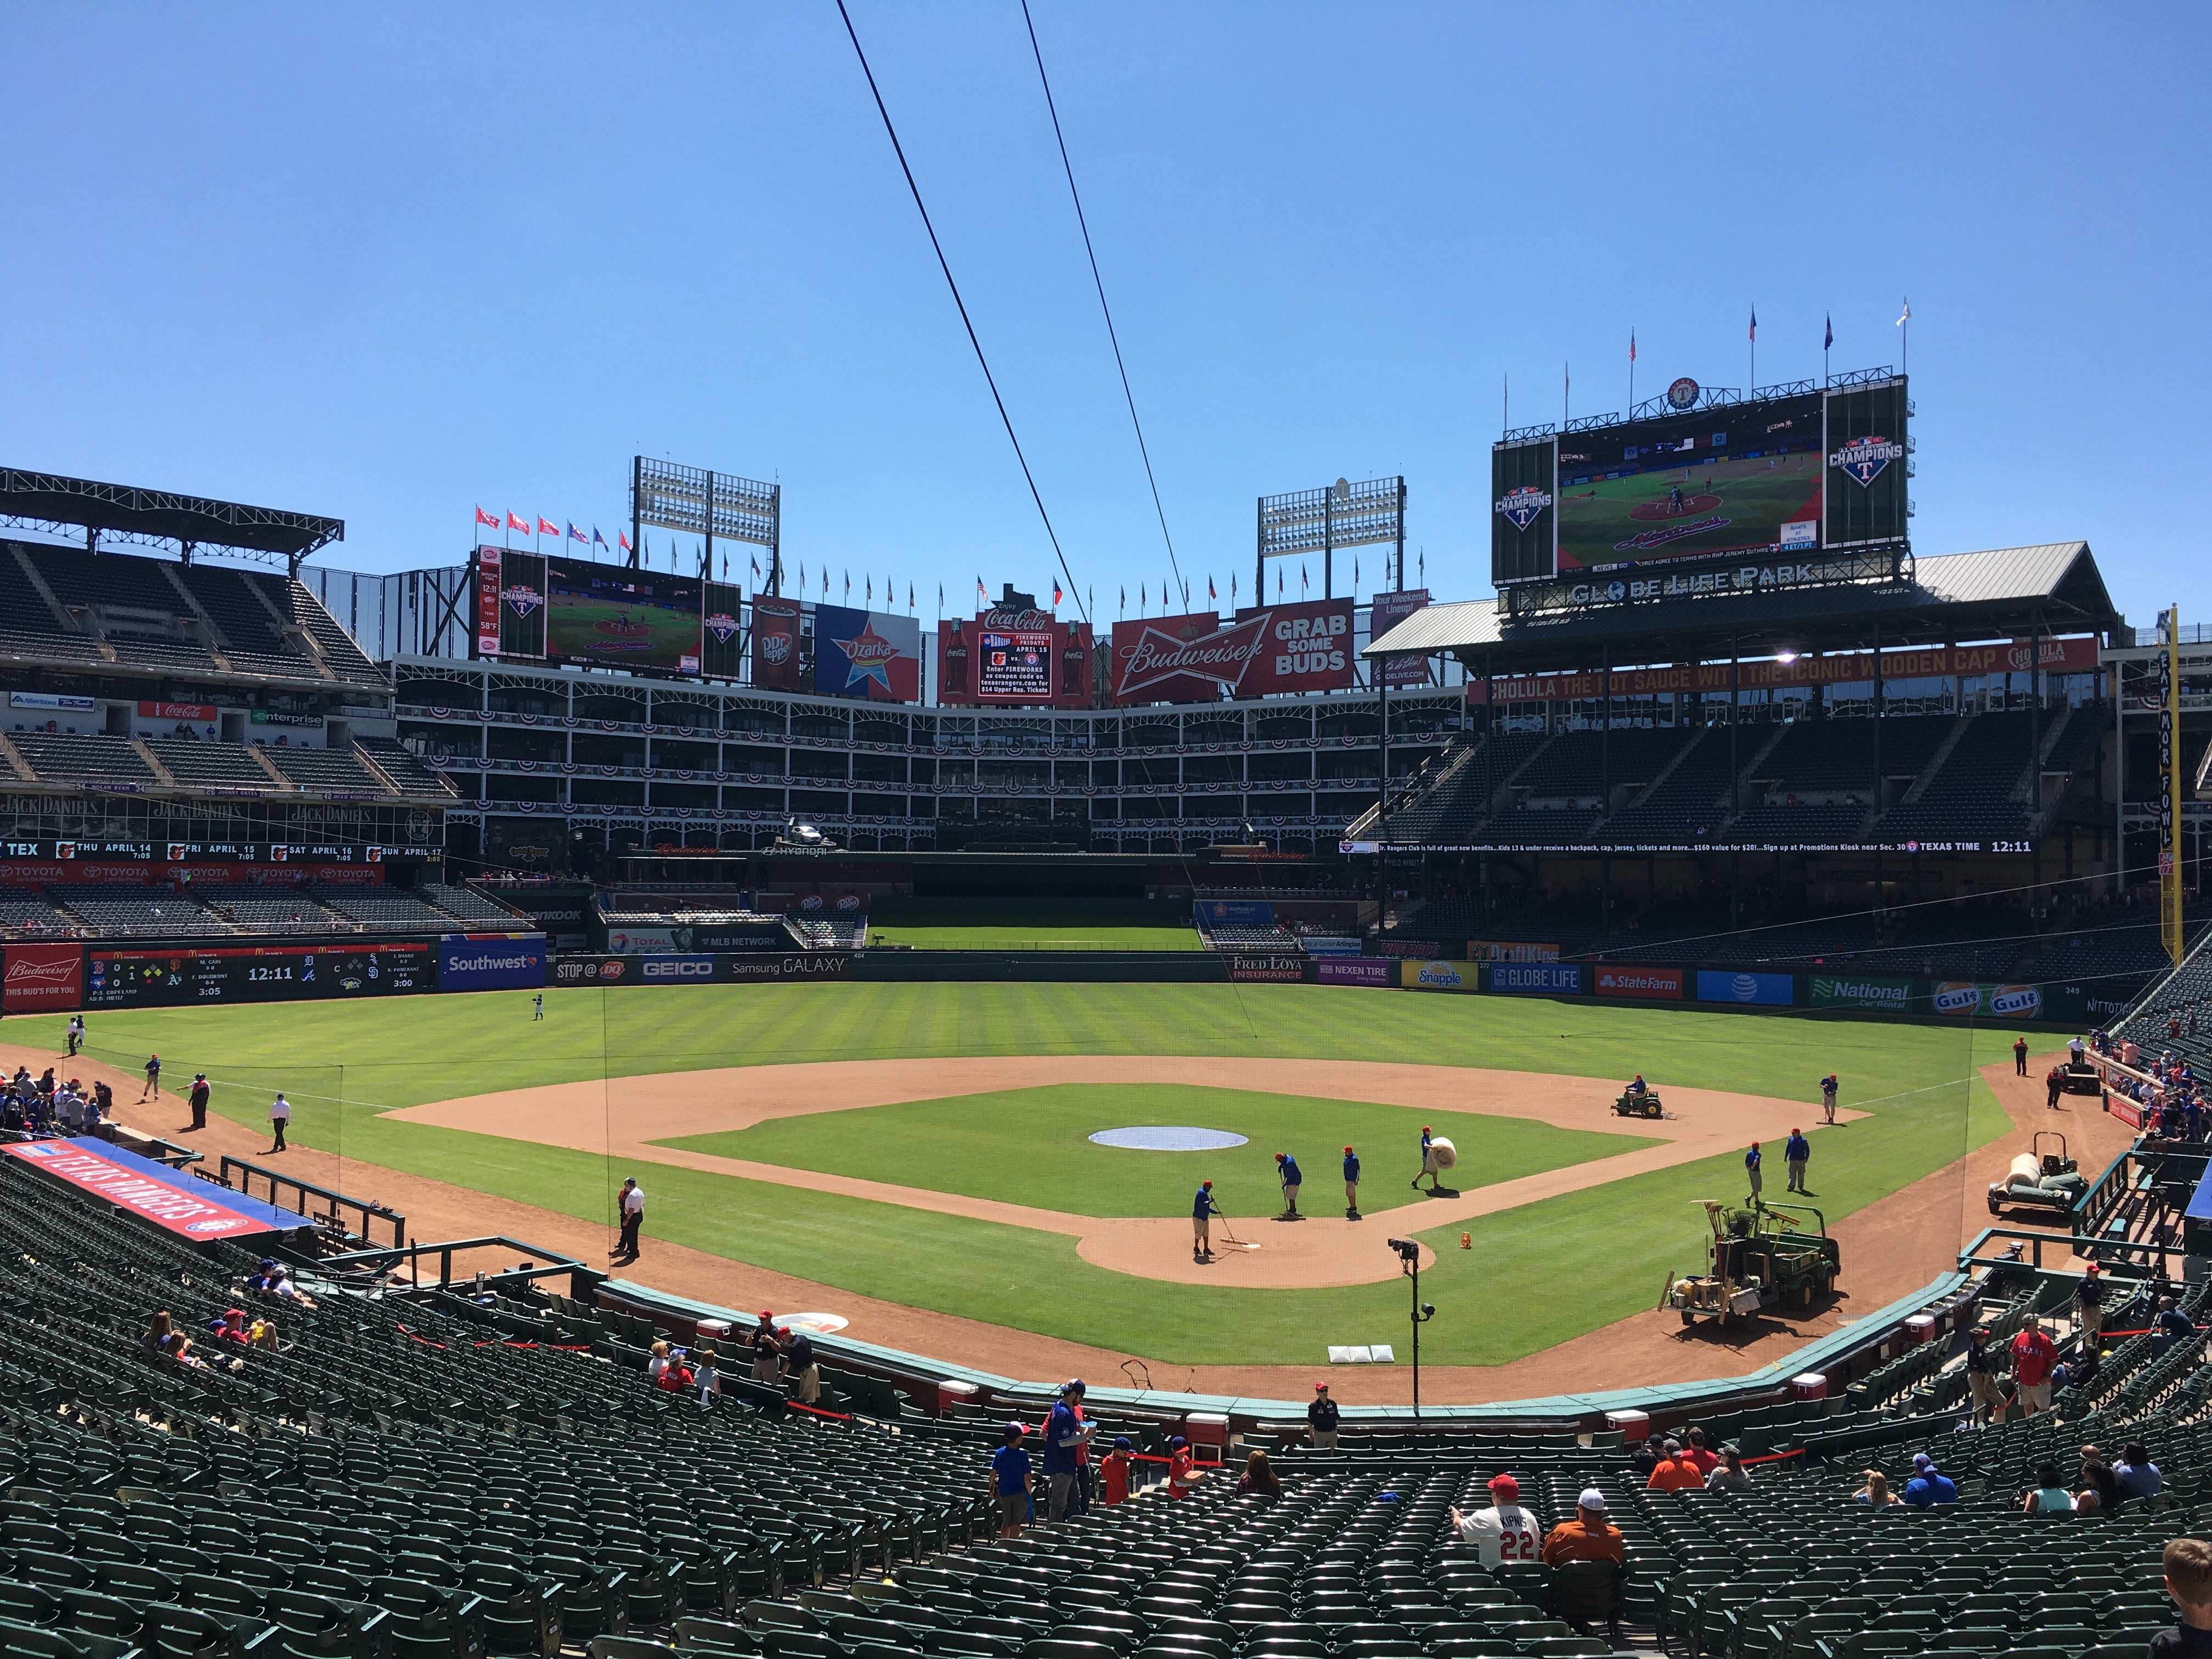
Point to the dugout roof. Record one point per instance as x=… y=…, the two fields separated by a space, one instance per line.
x=2005 y=592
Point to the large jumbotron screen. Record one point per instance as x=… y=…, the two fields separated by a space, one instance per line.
x=1778 y=475
x=622 y=618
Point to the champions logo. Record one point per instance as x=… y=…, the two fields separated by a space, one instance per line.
x=521 y=598
x=1521 y=505
x=721 y=625
x=1863 y=458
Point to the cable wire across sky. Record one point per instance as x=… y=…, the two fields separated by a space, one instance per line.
x=1074 y=592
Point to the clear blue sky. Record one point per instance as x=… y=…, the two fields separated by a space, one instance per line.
x=389 y=263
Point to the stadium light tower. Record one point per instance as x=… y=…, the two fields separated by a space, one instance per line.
x=1341 y=514
x=707 y=503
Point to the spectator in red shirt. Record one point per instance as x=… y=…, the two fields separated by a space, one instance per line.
x=1696 y=1451
x=2034 y=1356
x=1181 y=1476
x=1675 y=1472
x=1114 y=1471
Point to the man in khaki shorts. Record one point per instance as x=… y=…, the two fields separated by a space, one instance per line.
x=1985 y=1395
x=1201 y=1223
x=2034 y=1356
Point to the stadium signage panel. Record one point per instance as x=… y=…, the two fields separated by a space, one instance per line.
x=1389 y=610
x=1765 y=990
x=1651 y=984
x=1015 y=657
x=1405 y=947
x=2055 y=656
x=1895 y=996
x=1355 y=970
x=51 y=700
x=176 y=1202
x=201 y=975
x=1283 y=970
x=491 y=961
x=867 y=653
x=1440 y=975
x=43 y=978
x=1535 y=978
x=489 y=561
x=811 y=964
x=1965 y=997
x=1263 y=651
x=613 y=616
x=1494 y=950
x=775 y=644
x=199 y=712
x=1238 y=913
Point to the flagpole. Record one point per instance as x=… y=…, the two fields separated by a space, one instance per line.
x=1631 y=374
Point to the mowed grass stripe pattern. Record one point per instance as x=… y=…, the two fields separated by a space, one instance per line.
x=1032 y=1146
x=1535 y=1276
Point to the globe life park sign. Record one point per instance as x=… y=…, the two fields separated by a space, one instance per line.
x=1644 y=584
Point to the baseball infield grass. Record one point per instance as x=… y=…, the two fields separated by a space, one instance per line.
x=1537 y=1275
x=1033 y=1147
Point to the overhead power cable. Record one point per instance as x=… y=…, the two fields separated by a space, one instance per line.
x=944 y=264
x=1100 y=284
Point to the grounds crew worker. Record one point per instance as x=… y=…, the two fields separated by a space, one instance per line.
x=1828 y=1097
x=1351 y=1185
x=1202 y=1211
x=1751 y=1161
x=1320 y=1418
x=1286 y=1168
x=1796 y=1153
x=2019 y=1056
x=1428 y=1162
x=199 y=1098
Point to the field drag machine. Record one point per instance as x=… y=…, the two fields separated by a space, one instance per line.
x=1639 y=1102
x=1765 y=1255
x=2040 y=1179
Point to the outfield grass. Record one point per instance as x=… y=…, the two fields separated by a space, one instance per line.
x=1033 y=1147
x=1536 y=1276
x=1051 y=936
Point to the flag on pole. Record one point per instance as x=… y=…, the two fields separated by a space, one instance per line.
x=1632 y=345
x=1828 y=339
x=726 y=567
x=1303 y=583
x=1142 y=599
x=1355 y=573
x=484 y=517
x=1210 y=594
x=623 y=538
x=910 y=598
x=576 y=535
x=802 y=576
x=849 y=584
x=825 y=583
x=754 y=563
x=940 y=598
x=982 y=593
x=545 y=526
x=1905 y=315
x=871 y=586
x=1055 y=593
x=1279 y=581
x=515 y=522
x=1754 y=324
x=1232 y=587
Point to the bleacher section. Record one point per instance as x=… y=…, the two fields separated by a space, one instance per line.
x=384 y=907
x=415 y=1474
x=24 y=913
x=227 y=765
x=323 y=768
x=80 y=759
x=1684 y=805
x=406 y=769
x=467 y=904
x=270 y=909
x=1970 y=794
x=139 y=912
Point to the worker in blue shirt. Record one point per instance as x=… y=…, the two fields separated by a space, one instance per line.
x=1795 y=1152
x=1751 y=1168
x=1351 y=1185
x=1286 y=1171
x=1202 y=1211
x=2171 y=1326
x=1428 y=1160
x=1009 y=1480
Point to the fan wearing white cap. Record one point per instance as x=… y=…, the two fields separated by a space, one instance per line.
x=1504 y=1531
x=1588 y=1537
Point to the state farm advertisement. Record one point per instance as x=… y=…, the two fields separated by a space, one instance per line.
x=1656 y=984
x=1265 y=650
x=43 y=979
x=775 y=644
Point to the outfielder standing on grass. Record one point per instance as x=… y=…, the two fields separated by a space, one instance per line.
x=1202 y=1211
x=1286 y=1168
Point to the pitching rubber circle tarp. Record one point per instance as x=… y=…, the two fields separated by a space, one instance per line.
x=1168 y=1137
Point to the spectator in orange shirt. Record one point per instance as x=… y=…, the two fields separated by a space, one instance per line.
x=1674 y=1472
x=1588 y=1537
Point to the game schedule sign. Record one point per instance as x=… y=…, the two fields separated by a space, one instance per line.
x=178 y=975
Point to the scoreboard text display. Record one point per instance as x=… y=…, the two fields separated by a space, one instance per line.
x=1015 y=663
x=1787 y=475
x=176 y=976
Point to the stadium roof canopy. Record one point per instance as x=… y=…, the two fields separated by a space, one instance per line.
x=48 y=501
x=2007 y=592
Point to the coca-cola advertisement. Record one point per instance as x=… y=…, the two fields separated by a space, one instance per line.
x=775 y=644
x=1267 y=649
x=43 y=979
x=1014 y=655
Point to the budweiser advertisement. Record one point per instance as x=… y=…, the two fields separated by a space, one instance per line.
x=43 y=979
x=1390 y=610
x=1264 y=649
x=775 y=644
x=1014 y=656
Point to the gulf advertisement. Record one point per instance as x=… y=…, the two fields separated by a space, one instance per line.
x=1264 y=650
x=1967 y=1000
x=1634 y=980
x=867 y=653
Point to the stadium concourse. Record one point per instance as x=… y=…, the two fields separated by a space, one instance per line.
x=1894 y=1246
x=396 y=1468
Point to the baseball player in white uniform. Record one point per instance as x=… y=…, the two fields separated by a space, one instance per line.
x=1504 y=1531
